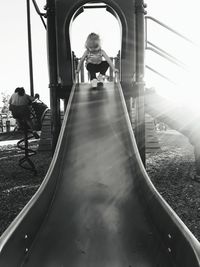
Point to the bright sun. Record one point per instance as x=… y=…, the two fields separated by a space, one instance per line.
x=178 y=84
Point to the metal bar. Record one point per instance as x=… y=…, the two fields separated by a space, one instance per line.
x=53 y=72
x=111 y=71
x=170 y=29
x=39 y=13
x=139 y=83
x=166 y=57
x=82 y=73
x=37 y=9
x=146 y=31
x=119 y=63
x=30 y=48
x=97 y=6
x=78 y=77
x=160 y=74
x=73 y=65
x=166 y=53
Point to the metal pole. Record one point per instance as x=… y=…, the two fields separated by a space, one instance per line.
x=39 y=13
x=140 y=85
x=53 y=76
x=30 y=48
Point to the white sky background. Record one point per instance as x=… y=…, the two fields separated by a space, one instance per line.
x=14 y=68
x=181 y=15
x=103 y=23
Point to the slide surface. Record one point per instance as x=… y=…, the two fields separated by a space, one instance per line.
x=97 y=218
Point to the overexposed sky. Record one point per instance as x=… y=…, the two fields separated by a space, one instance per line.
x=103 y=23
x=183 y=16
x=14 y=68
x=179 y=14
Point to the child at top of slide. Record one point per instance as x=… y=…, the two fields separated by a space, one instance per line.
x=94 y=61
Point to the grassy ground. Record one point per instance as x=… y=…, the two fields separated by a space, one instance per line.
x=172 y=171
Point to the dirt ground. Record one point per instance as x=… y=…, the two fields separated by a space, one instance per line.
x=171 y=171
x=18 y=185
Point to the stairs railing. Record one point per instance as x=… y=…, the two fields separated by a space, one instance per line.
x=161 y=52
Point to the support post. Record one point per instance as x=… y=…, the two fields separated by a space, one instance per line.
x=53 y=75
x=82 y=74
x=111 y=71
x=30 y=48
x=139 y=83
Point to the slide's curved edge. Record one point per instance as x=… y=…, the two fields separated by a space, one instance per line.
x=15 y=242
x=180 y=242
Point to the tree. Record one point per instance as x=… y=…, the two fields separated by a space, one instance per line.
x=5 y=99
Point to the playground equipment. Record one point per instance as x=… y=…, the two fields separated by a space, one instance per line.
x=97 y=206
x=23 y=144
x=131 y=21
x=38 y=110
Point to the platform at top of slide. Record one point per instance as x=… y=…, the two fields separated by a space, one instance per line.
x=97 y=217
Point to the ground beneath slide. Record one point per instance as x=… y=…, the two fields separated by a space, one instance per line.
x=96 y=219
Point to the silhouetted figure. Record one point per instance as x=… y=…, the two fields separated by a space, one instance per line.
x=20 y=107
x=37 y=97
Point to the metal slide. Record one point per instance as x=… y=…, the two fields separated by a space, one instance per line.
x=97 y=206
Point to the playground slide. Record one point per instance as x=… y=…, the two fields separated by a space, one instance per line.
x=97 y=206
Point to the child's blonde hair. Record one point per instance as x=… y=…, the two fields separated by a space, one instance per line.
x=93 y=41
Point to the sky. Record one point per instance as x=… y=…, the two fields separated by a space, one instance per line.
x=181 y=15
x=14 y=66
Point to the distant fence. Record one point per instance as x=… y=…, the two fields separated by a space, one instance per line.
x=84 y=75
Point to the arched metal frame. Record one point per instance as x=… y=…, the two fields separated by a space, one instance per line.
x=65 y=77
x=115 y=15
x=111 y=8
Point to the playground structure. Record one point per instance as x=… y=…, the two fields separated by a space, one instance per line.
x=97 y=205
x=23 y=144
x=38 y=110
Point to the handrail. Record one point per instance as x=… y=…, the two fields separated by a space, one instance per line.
x=165 y=53
x=166 y=57
x=40 y=13
x=161 y=52
x=168 y=28
x=160 y=74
